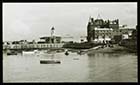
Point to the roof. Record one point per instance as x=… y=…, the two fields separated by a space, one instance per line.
x=46 y=37
x=99 y=20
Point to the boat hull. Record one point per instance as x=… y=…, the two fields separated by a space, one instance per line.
x=50 y=62
x=11 y=53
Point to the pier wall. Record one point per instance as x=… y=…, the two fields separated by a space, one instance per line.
x=33 y=46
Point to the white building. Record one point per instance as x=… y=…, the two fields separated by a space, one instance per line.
x=102 y=34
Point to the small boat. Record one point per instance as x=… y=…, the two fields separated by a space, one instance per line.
x=50 y=62
x=81 y=52
x=27 y=52
x=59 y=51
x=51 y=51
x=72 y=50
x=66 y=53
x=12 y=53
x=30 y=52
x=36 y=51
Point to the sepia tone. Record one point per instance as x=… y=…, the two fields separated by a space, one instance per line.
x=70 y=42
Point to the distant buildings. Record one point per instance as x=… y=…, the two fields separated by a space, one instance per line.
x=131 y=43
x=44 y=43
x=54 y=39
x=100 y=30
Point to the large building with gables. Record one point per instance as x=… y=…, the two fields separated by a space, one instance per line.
x=99 y=30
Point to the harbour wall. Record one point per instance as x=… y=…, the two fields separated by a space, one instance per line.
x=32 y=46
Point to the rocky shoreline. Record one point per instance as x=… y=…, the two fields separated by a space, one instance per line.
x=107 y=49
x=116 y=49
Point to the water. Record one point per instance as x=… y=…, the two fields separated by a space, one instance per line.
x=98 y=67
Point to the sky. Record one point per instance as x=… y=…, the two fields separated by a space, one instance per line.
x=30 y=21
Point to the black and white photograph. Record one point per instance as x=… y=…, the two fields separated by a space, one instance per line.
x=70 y=42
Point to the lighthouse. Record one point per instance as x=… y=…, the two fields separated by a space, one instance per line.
x=52 y=35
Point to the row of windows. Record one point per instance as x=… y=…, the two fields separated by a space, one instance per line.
x=102 y=31
x=103 y=37
x=107 y=34
x=109 y=31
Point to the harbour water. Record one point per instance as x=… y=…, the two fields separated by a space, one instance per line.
x=98 y=67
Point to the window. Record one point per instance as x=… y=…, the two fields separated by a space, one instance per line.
x=96 y=36
x=96 y=31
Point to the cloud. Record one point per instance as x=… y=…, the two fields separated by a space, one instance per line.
x=20 y=28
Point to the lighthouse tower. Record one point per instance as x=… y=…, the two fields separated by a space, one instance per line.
x=52 y=31
x=52 y=35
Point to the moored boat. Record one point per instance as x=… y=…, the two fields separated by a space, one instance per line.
x=66 y=53
x=27 y=52
x=12 y=53
x=50 y=62
x=30 y=52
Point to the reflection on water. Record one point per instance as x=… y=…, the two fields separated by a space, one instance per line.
x=98 y=67
x=113 y=67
